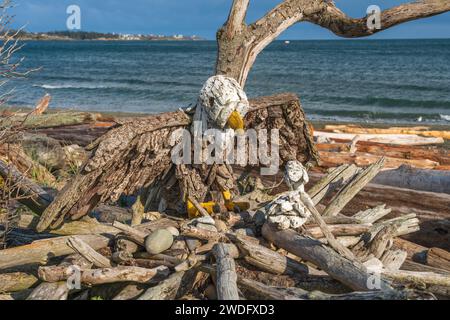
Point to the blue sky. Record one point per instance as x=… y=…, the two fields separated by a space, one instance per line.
x=199 y=17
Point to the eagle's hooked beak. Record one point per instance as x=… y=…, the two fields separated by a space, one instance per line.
x=235 y=121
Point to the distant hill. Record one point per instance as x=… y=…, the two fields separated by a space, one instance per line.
x=86 y=35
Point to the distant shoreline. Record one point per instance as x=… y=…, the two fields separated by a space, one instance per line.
x=111 y=40
x=199 y=39
x=98 y=36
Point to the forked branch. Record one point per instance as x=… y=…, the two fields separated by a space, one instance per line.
x=342 y=25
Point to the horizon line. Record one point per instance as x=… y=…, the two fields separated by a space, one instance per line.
x=213 y=39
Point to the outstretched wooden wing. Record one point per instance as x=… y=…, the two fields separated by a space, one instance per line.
x=284 y=113
x=128 y=157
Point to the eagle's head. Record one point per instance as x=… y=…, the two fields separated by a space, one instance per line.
x=222 y=103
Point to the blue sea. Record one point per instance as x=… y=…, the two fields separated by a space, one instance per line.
x=396 y=81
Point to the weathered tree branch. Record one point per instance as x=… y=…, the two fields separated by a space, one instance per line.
x=342 y=25
x=236 y=19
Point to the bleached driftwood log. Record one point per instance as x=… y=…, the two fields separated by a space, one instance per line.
x=414 y=278
x=350 y=273
x=41 y=251
x=394 y=259
x=380 y=237
x=14 y=153
x=85 y=226
x=56 y=119
x=130 y=292
x=327 y=233
x=372 y=215
x=423 y=131
x=396 y=139
x=226 y=272
x=378 y=245
x=346 y=194
x=257 y=290
x=87 y=252
x=16 y=281
x=438 y=258
x=105 y=275
x=331 y=182
x=340 y=230
x=50 y=291
x=201 y=234
x=59 y=290
x=268 y=260
x=132 y=233
x=410 y=178
x=333 y=159
x=347 y=241
x=416 y=253
x=174 y=287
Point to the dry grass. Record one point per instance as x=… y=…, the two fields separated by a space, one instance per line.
x=9 y=68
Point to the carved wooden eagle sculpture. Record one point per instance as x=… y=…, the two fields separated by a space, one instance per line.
x=134 y=157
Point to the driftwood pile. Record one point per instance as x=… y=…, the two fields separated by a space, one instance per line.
x=229 y=256
x=346 y=250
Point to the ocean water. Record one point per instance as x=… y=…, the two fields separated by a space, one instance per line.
x=397 y=81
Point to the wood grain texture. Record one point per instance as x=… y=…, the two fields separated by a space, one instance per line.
x=350 y=273
x=226 y=273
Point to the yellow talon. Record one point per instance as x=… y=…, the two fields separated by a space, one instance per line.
x=209 y=206
x=231 y=205
x=235 y=121
x=193 y=212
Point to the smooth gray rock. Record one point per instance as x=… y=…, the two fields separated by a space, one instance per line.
x=159 y=241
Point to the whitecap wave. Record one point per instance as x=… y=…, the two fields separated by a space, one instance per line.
x=69 y=86
x=445 y=117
